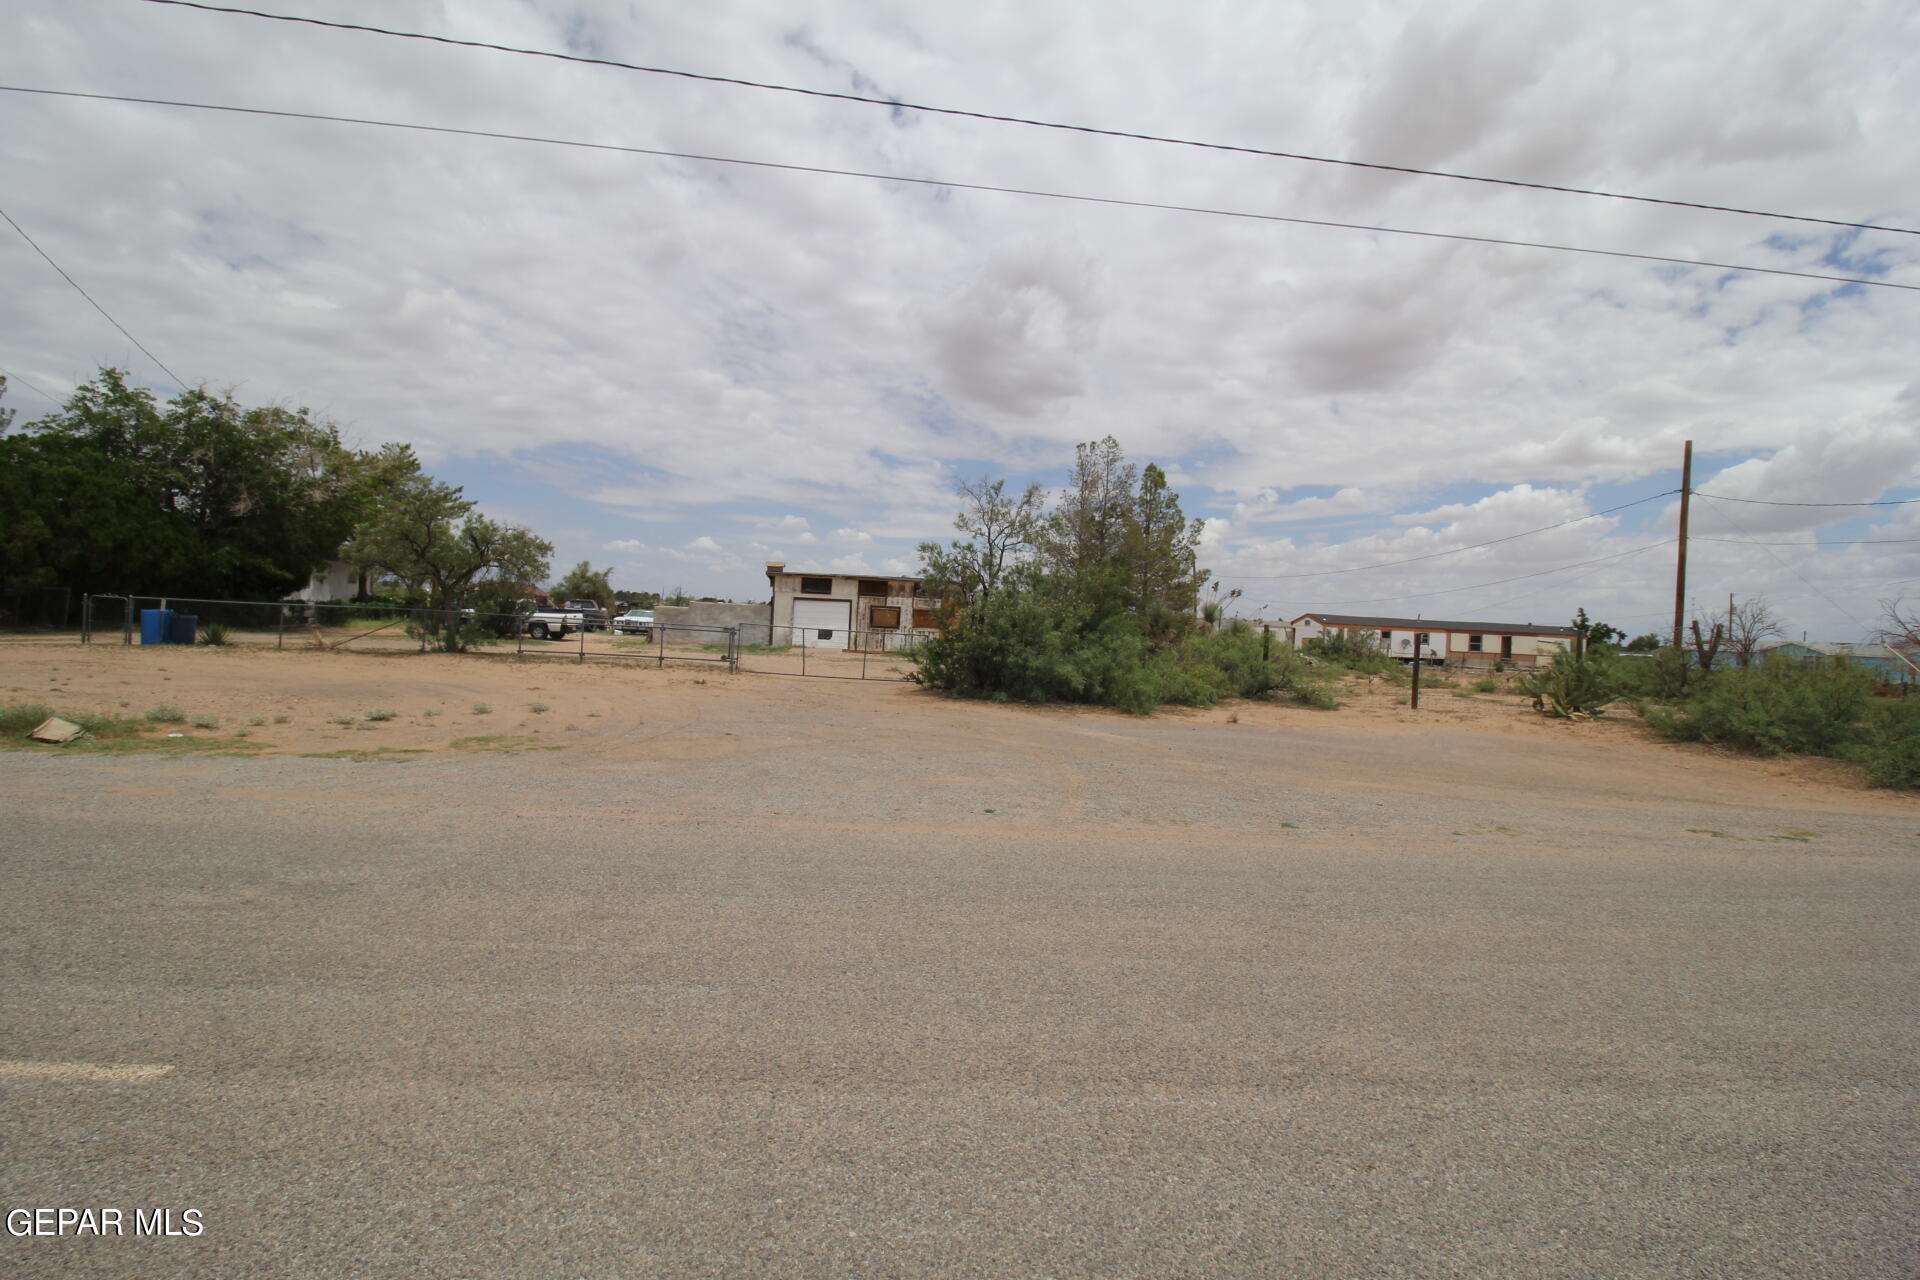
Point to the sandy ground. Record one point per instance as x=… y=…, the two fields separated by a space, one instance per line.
x=697 y=974
x=305 y=701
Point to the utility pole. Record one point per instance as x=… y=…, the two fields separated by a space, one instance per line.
x=1680 y=568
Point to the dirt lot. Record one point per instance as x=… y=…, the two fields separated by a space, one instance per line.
x=697 y=974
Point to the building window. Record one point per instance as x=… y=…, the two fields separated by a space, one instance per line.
x=923 y=620
x=1476 y=644
x=873 y=587
x=884 y=617
x=816 y=586
x=1386 y=638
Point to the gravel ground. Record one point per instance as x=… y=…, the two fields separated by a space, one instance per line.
x=803 y=979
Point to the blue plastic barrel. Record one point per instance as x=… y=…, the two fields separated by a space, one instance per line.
x=186 y=628
x=156 y=626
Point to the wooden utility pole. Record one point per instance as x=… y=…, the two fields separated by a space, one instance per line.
x=1680 y=568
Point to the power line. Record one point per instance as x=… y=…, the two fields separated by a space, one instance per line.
x=951 y=185
x=1795 y=572
x=14 y=377
x=1434 y=555
x=1763 y=502
x=893 y=104
x=1500 y=582
x=178 y=380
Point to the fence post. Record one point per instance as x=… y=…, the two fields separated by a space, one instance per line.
x=128 y=638
x=280 y=641
x=86 y=618
x=863 y=652
x=583 y=641
x=733 y=650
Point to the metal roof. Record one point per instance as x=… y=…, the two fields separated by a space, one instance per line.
x=1435 y=624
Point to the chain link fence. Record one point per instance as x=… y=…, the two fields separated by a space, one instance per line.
x=759 y=648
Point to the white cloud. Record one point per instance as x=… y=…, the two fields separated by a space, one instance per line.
x=613 y=339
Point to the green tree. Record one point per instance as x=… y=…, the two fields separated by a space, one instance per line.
x=201 y=496
x=1646 y=643
x=1000 y=534
x=1596 y=633
x=1096 y=613
x=584 y=582
x=429 y=537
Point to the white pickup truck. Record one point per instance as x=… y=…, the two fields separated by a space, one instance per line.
x=553 y=624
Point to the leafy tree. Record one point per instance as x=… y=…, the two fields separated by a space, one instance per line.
x=1645 y=643
x=677 y=596
x=1596 y=633
x=200 y=496
x=584 y=582
x=1096 y=612
x=1001 y=533
x=427 y=535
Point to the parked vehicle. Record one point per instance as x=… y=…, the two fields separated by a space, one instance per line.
x=590 y=610
x=635 y=622
x=553 y=624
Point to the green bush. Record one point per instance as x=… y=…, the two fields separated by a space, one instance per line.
x=1573 y=688
x=215 y=633
x=1487 y=685
x=1040 y=645
x=1774 y=708
x=1354 y=650
x=1664 y=676
x=166 y=713
x=1890 y=745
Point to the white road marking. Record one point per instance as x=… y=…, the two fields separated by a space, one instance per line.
x=93 y=1072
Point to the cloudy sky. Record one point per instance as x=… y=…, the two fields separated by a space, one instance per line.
x=684 y=368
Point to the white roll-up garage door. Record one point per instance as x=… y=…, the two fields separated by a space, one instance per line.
x=823 y=624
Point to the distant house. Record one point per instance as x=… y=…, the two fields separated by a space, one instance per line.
x=846 y=611
x=338 y=581
x=1886 y=663
x=1470 y=644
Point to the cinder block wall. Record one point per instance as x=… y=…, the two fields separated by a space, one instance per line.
x=674 y=621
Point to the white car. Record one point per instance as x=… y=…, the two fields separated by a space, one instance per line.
x=635 y=622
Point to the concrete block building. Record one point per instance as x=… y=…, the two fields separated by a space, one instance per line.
x=825 y=610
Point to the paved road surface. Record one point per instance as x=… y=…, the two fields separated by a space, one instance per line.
x=868 y=986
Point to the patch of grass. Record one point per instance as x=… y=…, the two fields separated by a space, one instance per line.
x=496 y=742
x=383 y=715
x=431 y=711
x=383 y=755
x=166 y=713
x=256 y=720
x=482 y=709
x=204 y=721
x=343 y=720
x=1486 y=686
x=1463 y=693
x=539 y=708
x=282 y=719
x=1438 y=682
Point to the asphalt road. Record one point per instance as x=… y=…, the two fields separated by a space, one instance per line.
x=853 y=991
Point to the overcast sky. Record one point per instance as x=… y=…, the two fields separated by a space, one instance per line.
x=683 y=369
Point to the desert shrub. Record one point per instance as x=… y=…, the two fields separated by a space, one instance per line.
x=23 y=717
x=1040 y=645
x=1486 y=685
x=166 y=713
x=1572 y=688
x=1774 y=708
x=1663 y=676
x=1356 y=651
x=1890 y=744
x=215 y=633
